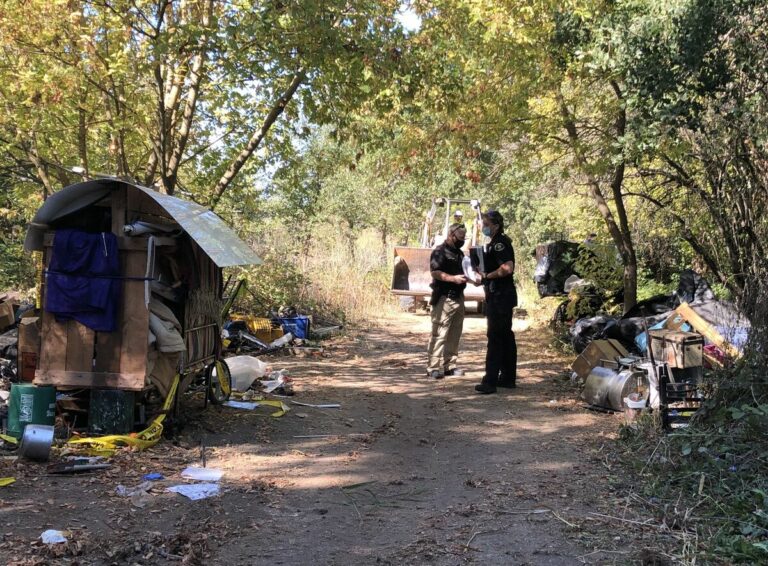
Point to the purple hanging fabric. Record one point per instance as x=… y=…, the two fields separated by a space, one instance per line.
x=83 y=280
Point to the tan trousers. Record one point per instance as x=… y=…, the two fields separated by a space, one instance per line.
x=447 y=323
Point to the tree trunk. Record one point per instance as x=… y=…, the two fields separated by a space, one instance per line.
x=384 y=233
x=621 y=235
x=82 y=137
x=256 y=139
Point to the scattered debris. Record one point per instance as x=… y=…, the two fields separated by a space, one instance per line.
x=77 y=466
x=320 y=406
x=52 y=536
x=202 y=474
x=279 y=383
x=246 y=405
x=142 y=488
x=196 y=491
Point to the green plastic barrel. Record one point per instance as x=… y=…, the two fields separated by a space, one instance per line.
x=30 y=404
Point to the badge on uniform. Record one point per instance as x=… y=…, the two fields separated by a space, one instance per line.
x=498 y=247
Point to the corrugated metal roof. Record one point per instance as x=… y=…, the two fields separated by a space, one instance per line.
x=217 y=240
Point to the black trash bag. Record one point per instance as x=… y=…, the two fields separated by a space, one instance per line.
x=541 y=273
x=655 y=305
x=554 y=264
x=693 y=288
x=587 y=329
x=626 y=329
x=8 y=344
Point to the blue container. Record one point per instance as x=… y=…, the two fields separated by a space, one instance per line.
x=296 y=325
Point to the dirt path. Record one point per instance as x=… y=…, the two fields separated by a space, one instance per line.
x=419 y=472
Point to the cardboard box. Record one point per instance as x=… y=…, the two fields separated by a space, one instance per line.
x=7 y=316
x=27 y=366
x=594 y=353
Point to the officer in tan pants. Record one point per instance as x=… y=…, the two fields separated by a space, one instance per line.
x=448 y=283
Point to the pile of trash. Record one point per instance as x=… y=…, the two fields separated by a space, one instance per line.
x=693 y=291
x=251 y=376
x=245 y=333
x=11 y=312
x=654 y=357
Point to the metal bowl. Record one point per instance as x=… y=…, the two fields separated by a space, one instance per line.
x=36 y=442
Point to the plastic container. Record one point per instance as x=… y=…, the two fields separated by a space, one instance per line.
x=633 y=408
x=282 y=341
x=296 y=325
x=245 y=370
x=29 y=404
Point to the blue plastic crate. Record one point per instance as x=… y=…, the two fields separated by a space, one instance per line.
x=296 y=325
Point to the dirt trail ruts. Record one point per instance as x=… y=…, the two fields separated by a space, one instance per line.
x=417 y=471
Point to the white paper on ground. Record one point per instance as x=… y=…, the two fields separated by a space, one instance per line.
x=271 y=385
x=202 y=474
x=52 y=536
x=196 y=491
x=241 y=405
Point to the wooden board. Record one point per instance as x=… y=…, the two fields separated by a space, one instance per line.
x=80 y=343
x=130 y=243
x=108 y=345
x=139 y=205
x=706 y=329
x=73 y=355
x=119 y=209
x=53 y=346
x=135 y=316
x=130 y=382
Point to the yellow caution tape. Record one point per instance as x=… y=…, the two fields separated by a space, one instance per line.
x=225 y=384
x=9 y=439
x=6 y=481
x=142 y=440
x=279 y=404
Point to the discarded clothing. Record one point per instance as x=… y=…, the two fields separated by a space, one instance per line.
x=166 y=327
x=83 y=280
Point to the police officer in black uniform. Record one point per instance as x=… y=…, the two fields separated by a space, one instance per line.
x=500 y=300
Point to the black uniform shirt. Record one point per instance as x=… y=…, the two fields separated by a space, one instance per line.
x=498 y=252
x=447 y=259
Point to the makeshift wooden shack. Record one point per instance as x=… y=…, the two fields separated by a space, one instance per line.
x=171 y=255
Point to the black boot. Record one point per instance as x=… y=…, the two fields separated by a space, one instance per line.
x=485 y=388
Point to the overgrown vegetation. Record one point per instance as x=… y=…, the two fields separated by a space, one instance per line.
x=707 y=485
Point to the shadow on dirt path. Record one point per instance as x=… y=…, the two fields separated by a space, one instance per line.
x=408 y=471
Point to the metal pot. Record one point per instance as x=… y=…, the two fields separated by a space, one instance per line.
x=606 y=388
x=36 y=442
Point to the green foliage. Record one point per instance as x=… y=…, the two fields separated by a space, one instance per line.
x=17 y=269
x=648 y=287
x=274 y=284
x=599 y=265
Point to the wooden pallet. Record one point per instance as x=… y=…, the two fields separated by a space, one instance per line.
x=73 y=355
